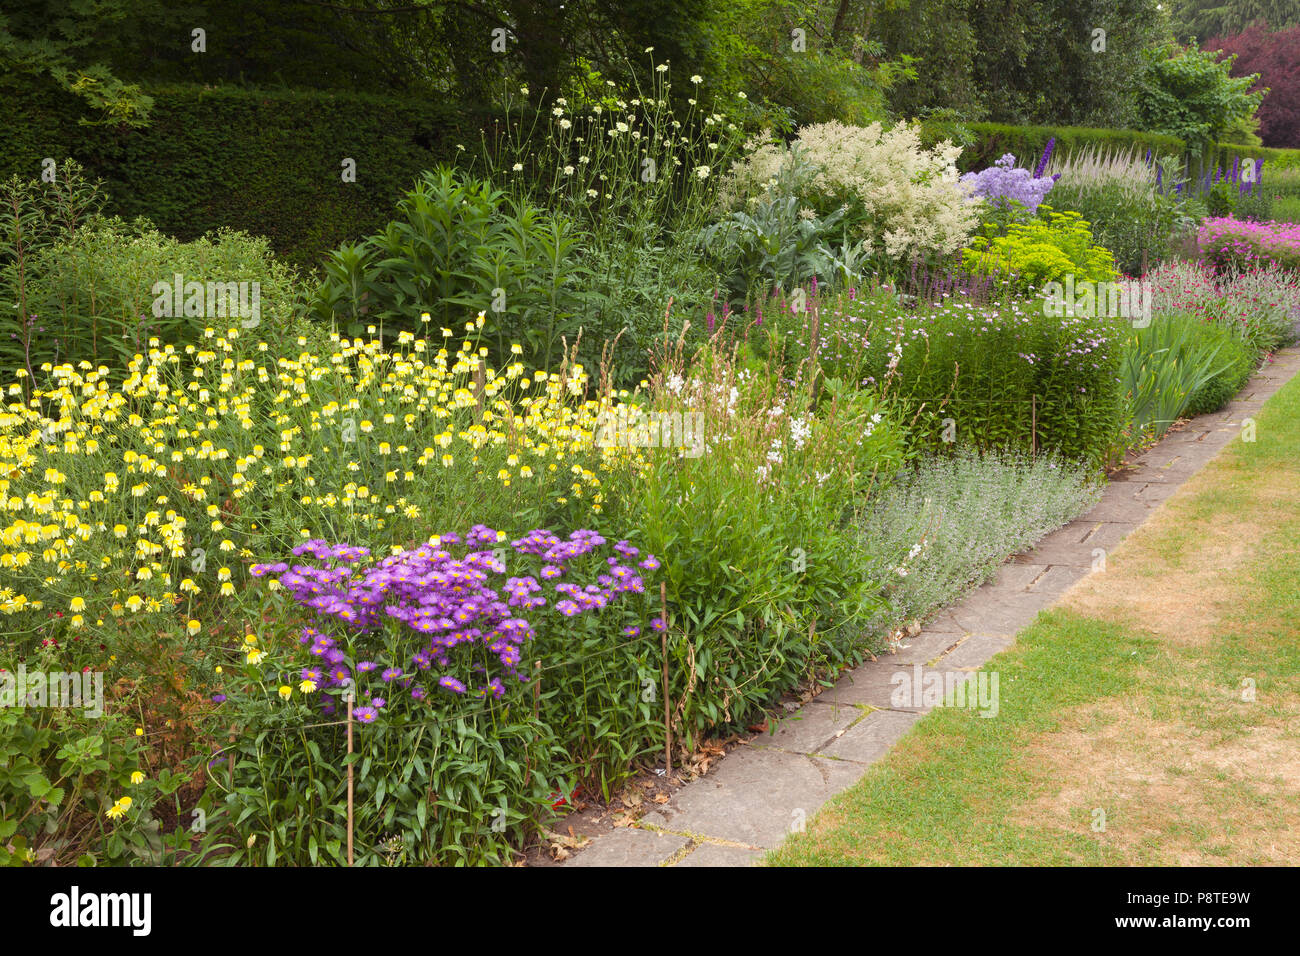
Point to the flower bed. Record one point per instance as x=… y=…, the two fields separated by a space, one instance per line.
x=1229 y=244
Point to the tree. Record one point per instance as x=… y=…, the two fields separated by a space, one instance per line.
x=70 y=42
x=1275 y=57
x=1189 y=93
x=1202 y=19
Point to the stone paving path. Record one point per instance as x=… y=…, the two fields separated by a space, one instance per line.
x=764 y=788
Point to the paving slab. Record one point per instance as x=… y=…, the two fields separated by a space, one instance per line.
x=975 y=650
x=628 y=846
x=756 y=796
x=924 y=647
x=991 y=611
x=1121 y=507
x=812 y=726
x=716 y=854
x=870 y=738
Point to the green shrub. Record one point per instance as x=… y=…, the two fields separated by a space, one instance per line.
x=265 y=161
x=76 y=787
x=772 y=244
x=97 y=296
x=1133 y=211
x=1240 y=360
x=461 y=246
x=768 y=582
x=1045 y=249
x=996 y=375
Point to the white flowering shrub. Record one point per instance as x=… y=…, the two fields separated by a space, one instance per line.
x=902 y=200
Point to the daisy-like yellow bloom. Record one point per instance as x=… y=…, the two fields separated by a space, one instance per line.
x=137 y=777
x=255 y=657
x=139 y=731
x=118 y=810
x=307 y=686
x=193 y=627
x=285 y=691
x=192 y=426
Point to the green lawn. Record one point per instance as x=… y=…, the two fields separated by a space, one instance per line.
x=1129 y=698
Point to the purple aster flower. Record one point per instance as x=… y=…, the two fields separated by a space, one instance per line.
x=651 y=563
x=418 y=693
x=218 y=698
x=378 y=703
x=632 y=631
x=567 y=608
x=658 y=624
x=391 y=673
x=451 y=684
x=366 y=667
x=366 y=715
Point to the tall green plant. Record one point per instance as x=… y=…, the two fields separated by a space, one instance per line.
x=462 y=246
x=1163 y=366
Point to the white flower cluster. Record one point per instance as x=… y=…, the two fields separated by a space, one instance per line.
x=907 y=198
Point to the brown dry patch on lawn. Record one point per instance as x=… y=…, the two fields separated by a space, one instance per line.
x=1183 y=605
x=1184 y=602
x=1172 y=793
x=1175 y=791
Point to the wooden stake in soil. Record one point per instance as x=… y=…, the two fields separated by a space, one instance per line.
x=1033 y=426
x=349 y=778
x=537 y=696
x=663 y=644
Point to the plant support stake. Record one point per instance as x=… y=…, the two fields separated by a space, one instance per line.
x=663 y=644
x=349 y=778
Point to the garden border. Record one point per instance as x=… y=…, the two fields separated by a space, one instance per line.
x=778 y=779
